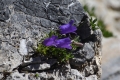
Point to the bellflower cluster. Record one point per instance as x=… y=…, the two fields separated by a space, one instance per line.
x=64 y=42
x=59 y=44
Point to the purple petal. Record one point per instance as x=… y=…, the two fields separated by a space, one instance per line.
x=50 y=41
x=71 y=22
x=64 y=43
x=67 y=28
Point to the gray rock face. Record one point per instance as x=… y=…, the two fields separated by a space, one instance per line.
x=29 y=20
x=69 y=75
x=24 y=22
x=38 y=64
x=93 y=77
x=82 y=55
x=1 y=76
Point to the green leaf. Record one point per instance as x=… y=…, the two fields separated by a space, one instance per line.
x=95 y=20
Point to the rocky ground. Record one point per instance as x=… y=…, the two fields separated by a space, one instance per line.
x=109 y=12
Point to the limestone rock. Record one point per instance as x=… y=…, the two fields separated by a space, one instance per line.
x=24 y=22
x=93 y=77
x=17 y=76
x=36 y=64
x=1 y=76
x=82 y=55
x=23 y=47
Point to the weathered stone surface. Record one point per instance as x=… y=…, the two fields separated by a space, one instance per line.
x=24 y=22
x=72 y=74
x=23 y=47
x=8 y=61
x=82 y=55
x=28 y=20
x=17 y=76
x=93 y=77
x=36 y=64
x=1 y=76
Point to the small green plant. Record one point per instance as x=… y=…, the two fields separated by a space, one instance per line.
x=96 y=22
x=59 y=44
x=93 y=23
x=36 y=75
x=62 y=55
